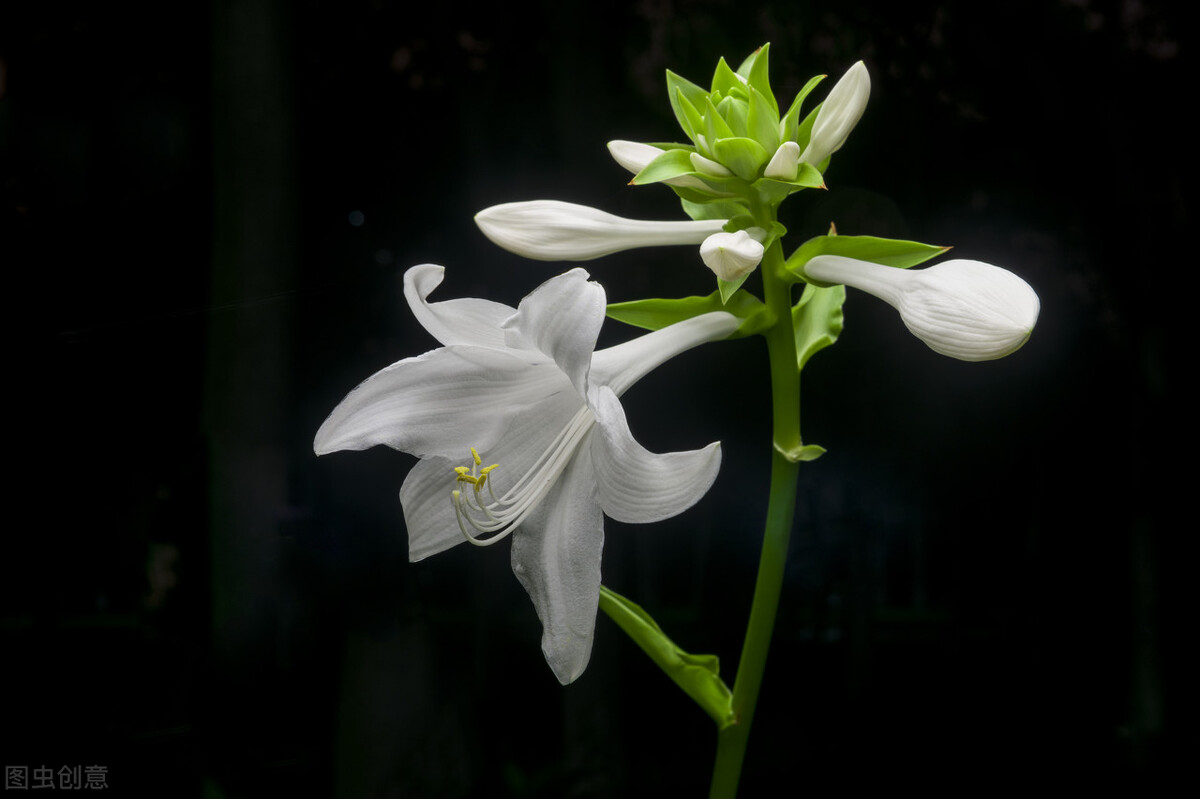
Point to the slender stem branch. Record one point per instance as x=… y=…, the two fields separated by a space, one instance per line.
x=785 y=391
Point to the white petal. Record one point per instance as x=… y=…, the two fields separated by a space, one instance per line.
x=429 y=509
x=549 y=230
x=426 y=494
x=462 y=321
x=731 y=255
x=633 y=155
x=964 y=309
x=840 y=112
x=621 y=366
x=561 y=318
x=636 y=485
x=556 y=556
x=427 y=405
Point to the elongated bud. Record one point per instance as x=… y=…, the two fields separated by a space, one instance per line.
x=839 y=114
x=964 y=309
x=550 y=230
x=731 y=255
x=636 y=156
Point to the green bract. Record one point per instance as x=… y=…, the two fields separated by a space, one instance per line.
x=741 y=149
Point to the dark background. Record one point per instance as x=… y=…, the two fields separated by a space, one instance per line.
x=207 y=209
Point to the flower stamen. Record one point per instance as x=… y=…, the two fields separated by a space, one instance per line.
x=492 y=517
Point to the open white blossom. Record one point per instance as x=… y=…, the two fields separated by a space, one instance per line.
x=964 y=309
x=839 y=114
x=523 y=388
x=551 y=230
x=731 y=255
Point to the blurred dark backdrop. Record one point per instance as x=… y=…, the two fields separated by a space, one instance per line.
x=207 y=208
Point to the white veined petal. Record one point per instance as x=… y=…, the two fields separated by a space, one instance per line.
x=621 y=366
x=550 y=230
x=428 y=508
x=556 y=557
x=427 y=405
x=964 y=309
x=561 y=319
x=462 y=321
x=639 y=486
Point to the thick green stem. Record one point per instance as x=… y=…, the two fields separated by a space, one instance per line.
x=785 y=391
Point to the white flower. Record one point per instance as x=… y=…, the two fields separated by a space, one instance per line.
x=523 y=388
x=550 y=230
x=965 y=309
x=838 y=115
x=731 y=255
x=636 y=156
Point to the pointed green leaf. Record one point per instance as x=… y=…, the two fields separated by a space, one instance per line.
x=735 y=111
x=790 y=123
x=817 y=319
x=728 y=288
x=762 y=122
x=683 y=89
x=714 y=208
x=758 y=76
x=889 y=252
x=697 y=675
x=654 y=314
x=670 y=164
x=726 y=81
x=744 y=157
x=715 y=126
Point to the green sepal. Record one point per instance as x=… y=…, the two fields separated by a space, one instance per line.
x=685 y=96
x=755 y=70
x=654 y=314
x=817 y=319
x=734 y=110
x=744 y=157
x=762 y=122
x=772 y=191
x=697 y=675
x=789 y=125
x=713 y=208
x=667 y=165
x=726 y=82
x=715 y=126
x=728 y=288
x=889 y=252
x=804 y=130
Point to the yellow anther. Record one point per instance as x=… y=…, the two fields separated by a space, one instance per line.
x=475 y=455
x=461 y=469
x=467 y=478
x=484 y=471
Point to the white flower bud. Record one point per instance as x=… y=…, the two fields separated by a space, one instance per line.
x=709 y=166
x=636 y=156
x=550 y=230
x=964 y=309
x=785 y=164
x=731 y=255
x=839 y=114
